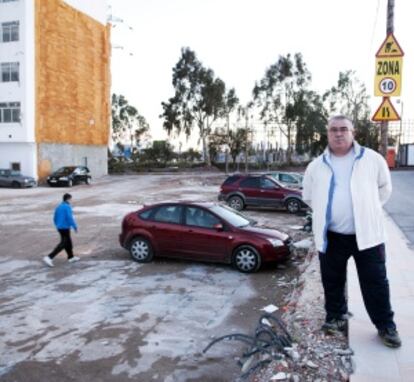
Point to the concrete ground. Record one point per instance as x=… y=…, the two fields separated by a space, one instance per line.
x=373 y=361
x=107 y=318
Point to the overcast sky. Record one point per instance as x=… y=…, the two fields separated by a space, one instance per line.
x=239 y=39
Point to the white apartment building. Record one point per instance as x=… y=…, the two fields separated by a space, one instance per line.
x=54 y=85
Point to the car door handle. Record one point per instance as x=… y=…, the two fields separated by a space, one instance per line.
x=190 y=230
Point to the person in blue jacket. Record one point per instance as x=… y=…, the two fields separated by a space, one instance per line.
x=64 y=221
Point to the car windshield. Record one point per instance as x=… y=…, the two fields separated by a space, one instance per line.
x=231 y=216
x=14 y=173
x=65 y=170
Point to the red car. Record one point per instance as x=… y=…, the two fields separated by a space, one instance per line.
x=240 y=191
x=202 y=232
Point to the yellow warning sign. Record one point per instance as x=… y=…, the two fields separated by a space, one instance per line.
x=390 y=48
x=386 y=112
x=388 y=71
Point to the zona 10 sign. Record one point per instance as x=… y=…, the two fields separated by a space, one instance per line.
x=388 y=68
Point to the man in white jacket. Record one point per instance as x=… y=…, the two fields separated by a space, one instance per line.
x=346 y=188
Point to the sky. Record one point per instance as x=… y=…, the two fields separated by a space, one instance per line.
x=240 y=39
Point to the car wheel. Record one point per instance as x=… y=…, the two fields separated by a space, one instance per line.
x=16 y=185
x=246 y=259
x=236 y=202
x=141 y=250
x=293 y=205
x=70 y=183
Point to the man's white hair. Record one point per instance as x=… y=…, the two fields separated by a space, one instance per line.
x=340 y=117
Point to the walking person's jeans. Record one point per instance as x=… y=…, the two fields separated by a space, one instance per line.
x=370 y=264
x=65 y=244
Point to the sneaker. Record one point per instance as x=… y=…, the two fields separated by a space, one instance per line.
x=48 y=261
x=73 y=259
x=334 y=326
x=390 y=337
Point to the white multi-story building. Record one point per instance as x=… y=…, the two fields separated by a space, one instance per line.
x=54 y=85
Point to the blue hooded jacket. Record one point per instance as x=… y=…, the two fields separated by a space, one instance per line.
x=63 y=217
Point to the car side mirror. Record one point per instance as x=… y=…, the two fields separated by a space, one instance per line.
x=218 y=227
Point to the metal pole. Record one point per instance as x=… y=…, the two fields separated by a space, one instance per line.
x=384 y=124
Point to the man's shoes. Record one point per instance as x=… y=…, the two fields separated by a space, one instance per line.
x=390 y=337
x=334 y=326
x=48 y=261
x=74 y=259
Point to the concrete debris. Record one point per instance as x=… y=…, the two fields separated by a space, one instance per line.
x=312 y=365
x=246 y=365
x=270 y=308
x=303 y=244
x=295 y=378
x=344 y=351
x=266 y=322
x=295 y=227
x=281 y=376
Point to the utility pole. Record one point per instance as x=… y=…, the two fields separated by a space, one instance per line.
x=384 y=124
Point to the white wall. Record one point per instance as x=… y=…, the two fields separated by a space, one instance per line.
x=96 y=9
x=24 y=153
x=28 y=70
x=21 y=51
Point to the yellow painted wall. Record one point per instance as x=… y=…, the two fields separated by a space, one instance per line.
x=72 y=76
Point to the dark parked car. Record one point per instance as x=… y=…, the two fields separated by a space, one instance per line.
x=11 y=178
x=240 y=191
x=69 y=176
x=202 y=232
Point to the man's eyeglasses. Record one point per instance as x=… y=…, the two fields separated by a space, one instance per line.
x=341 y=129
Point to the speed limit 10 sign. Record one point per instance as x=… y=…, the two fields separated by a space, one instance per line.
x=388 y=72
x=388 y=68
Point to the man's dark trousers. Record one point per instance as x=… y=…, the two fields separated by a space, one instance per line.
x=65 y=244
x=370 y=264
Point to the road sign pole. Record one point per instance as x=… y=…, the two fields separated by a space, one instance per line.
x=384 y=124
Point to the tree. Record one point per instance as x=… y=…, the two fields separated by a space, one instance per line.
x=161 y=152
x=311 y=119
x=238 y=142
x=198 y=99
x=127 y=124
x=276 y=92
x=349 y=97
x=191 y=155
x=243 y=112
x=217 y=140
x=230 y=103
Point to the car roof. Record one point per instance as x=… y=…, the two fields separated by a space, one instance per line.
x=183 y=202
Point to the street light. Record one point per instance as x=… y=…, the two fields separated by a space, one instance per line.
x=401 y=118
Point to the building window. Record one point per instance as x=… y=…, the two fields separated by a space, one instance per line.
x=10 y=31
x=9 y=112
x=9 y=72
x=15 y=166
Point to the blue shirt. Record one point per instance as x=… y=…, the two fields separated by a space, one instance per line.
x=63 y=217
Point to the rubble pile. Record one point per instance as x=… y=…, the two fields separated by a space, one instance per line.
x=313 y=356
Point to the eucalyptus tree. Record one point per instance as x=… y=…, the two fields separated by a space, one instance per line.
x=199 y=99
x=230 y=104
x=245 y=113
x=311 y=120
x=275 y=93
x=127 y=124
x=349 y=97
